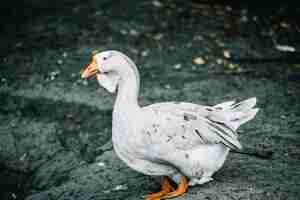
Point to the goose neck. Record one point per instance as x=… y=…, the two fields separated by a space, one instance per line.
x=127 y=97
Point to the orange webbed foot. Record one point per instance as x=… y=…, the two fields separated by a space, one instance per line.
x=182 y=188
x=166 y=187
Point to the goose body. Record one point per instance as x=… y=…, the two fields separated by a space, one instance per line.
x=183 y=141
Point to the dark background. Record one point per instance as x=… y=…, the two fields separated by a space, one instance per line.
x=55 y=128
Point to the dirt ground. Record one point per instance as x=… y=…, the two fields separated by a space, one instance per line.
x=55 y=128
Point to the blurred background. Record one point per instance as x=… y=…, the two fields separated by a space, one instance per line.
x=55 y=128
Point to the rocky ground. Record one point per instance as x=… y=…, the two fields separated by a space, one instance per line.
x=55 y=128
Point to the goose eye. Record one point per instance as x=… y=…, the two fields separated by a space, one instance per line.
x=104 y=58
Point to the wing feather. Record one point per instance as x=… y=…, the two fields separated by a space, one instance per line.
x=186 y=126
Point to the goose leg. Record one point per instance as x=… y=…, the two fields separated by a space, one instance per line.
x=166 y=188
x=182 y=188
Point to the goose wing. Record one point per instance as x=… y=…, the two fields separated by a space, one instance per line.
x=186 y=126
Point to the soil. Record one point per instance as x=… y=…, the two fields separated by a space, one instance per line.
x=55 y=128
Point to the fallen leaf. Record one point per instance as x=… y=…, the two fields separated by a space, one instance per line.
x=226 y=54
x=199 y=61
x=285 y=48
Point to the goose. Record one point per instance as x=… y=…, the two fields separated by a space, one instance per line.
x=182 y=142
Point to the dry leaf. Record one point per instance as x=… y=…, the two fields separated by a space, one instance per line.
x=199 y=61
x=226 y=54
x=285 y=48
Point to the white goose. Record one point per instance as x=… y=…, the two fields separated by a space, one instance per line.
x=182 y=141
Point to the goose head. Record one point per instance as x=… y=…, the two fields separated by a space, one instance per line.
x=111 y=68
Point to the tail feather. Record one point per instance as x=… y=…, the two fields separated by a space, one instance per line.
x=244 y=106
x=238 y=113
x=224 y=106
x=243 y=117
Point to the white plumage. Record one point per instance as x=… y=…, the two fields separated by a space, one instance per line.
x=173 y=138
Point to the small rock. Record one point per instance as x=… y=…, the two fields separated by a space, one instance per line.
x=3 y=80
x=81 y=81
x=134 y=50
x=52 y=75
x=12 y=123
x=177 y=66
x=106 y=191
x=244 y=19
x=85 y=82
x=228 y=8
x=22 y=158
x=219 y=61
x=14 y=196
x=145 y=53
x=121 y=187
x=220 y=43
x=157 y=4
x=133 y=32
x=123 y=32
x=19 y=44
x=283 y=117
x=101 y=164
x=158 y=36
x=167 y=86
x=73 y=75
x=199 y=38
x=199 y=61
x=284 y=25
x=65 y=54
x=60 y=62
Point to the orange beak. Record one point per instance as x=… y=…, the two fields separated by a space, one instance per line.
x=90 y=70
